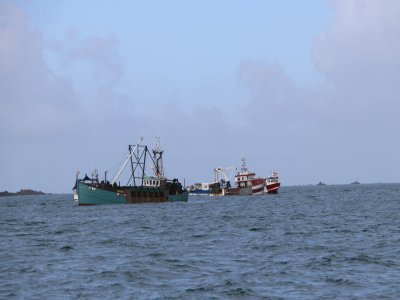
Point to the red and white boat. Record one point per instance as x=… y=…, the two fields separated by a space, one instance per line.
x=258 y=186
x=247 y=183
x=272 y=183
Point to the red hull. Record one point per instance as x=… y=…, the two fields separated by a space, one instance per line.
x=258 y=186
x=273 y=188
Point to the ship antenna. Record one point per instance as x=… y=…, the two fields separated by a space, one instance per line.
x=158 y=168
x=157 y=147
x=244 y=167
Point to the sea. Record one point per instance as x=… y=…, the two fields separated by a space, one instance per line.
x=306 y=242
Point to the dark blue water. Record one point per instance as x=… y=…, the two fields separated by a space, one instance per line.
x=306 y=242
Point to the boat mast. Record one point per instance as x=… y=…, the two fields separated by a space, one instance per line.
x=244 y=167
x=129 y=157
x=158 y=167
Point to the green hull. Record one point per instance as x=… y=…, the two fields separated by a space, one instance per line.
x=182 y=197
x=89 y=195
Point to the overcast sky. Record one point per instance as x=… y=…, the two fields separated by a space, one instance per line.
x=308 y=88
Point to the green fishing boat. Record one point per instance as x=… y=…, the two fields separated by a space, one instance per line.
x=140 y=188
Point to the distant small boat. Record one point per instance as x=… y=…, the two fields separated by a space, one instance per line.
x=199 y=189
x=355 y=182
x=272 y=183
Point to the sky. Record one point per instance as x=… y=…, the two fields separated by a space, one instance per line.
x=308 y=88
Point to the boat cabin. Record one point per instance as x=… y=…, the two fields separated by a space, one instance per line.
x=244 y=179
x=152 y=181
x=272 y=179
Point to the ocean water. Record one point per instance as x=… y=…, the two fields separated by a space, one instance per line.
x=307 y=242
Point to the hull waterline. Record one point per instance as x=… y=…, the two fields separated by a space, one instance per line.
x=91 y=195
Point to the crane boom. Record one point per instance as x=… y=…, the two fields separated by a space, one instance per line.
x=129 y=157
x=223 y=171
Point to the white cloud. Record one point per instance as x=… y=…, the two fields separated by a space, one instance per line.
x=362 y=42
x=98 y=53
x=349 y=122
x=359 y=53
x=35 y=103
x=43 y=110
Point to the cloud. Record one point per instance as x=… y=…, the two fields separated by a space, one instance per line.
x=362 y=43
x=63 y=99
x=40 y=97
x=268 y=82
x=34 y=102
x=350 y=121
x=98 y=53
x=359 y=53
x=46 y=119
x=275 y=97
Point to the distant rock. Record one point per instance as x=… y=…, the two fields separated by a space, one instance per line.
x=355 y=182
x=22 y=192
x=320 y=183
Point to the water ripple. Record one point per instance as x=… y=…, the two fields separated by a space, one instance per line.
x=306 y=242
